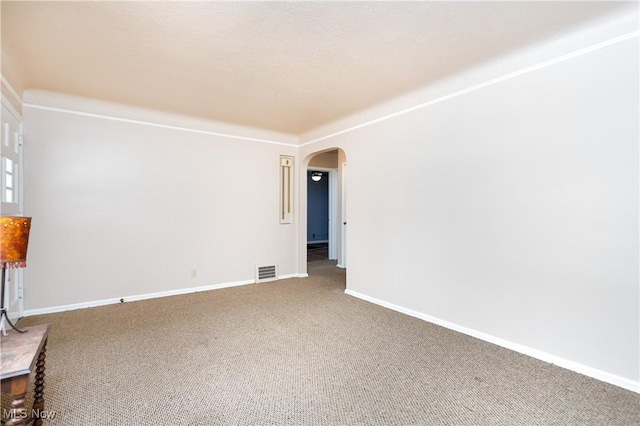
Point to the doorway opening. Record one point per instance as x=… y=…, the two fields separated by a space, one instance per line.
x=318 y=214
x=326 y=204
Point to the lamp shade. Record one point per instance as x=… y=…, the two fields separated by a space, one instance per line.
x=14 y=238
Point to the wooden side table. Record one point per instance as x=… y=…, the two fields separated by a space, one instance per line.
x=19 y=352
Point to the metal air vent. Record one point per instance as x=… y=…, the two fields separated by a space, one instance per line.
x=266 y=273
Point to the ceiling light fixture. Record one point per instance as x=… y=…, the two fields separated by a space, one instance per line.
x=316 y=176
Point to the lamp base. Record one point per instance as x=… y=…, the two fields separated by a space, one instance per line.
x=4 y=315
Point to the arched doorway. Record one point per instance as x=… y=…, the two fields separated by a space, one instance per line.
x=324 y=188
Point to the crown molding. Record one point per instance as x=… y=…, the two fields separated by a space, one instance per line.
x=153 y=124
x=509 y=76
x=10 y=88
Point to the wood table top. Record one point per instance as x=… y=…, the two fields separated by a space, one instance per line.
x=19 y=351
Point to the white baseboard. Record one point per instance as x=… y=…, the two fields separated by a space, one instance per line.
x=62 y=308
x=284 y=277
x=543 y=356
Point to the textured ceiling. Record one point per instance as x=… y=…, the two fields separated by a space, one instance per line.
x=284 y=66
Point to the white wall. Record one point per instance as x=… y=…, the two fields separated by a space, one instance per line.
x=126 y=208
x=508 y=211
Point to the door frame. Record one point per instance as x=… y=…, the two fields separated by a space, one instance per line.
x=342 y=262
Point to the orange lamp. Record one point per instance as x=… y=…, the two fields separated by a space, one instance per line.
x=14 y=239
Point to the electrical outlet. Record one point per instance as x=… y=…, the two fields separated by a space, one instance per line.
x=194 y=273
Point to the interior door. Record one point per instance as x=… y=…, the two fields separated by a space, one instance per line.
x=12 y=204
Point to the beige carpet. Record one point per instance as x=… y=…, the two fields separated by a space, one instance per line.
x=300 y=351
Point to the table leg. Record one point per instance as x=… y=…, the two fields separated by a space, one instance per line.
x=38 y=402
x=18 y=411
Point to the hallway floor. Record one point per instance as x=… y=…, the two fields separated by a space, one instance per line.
x=317 y=251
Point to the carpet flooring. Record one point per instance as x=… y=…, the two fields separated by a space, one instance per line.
x=300 y=352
